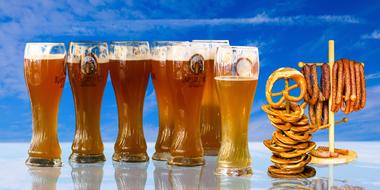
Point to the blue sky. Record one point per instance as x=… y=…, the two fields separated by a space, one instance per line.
x=285 y=32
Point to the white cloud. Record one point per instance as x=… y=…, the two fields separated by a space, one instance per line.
x=372 y=76
x=374 y=35
x=45 y=21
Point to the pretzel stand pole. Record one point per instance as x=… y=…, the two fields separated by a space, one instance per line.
x=341 y=159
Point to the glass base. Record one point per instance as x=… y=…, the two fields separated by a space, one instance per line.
x=186 y=161
x=43 y=162
x=161 y=156
x=211 y=152
x=87 y=158
x=227 y=171
x=127 y=157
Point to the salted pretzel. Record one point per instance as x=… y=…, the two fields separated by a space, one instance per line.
x=285 y=73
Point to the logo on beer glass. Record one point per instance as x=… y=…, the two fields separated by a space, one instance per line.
x=243 y=67
x=88 y=64
x=197 y=64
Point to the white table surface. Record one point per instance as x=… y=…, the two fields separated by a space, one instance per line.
x=14 y=174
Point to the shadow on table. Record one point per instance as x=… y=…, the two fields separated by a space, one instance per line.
x=87 y=176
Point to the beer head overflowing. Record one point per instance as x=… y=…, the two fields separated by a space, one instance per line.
x=36 y=51
x=129 y=50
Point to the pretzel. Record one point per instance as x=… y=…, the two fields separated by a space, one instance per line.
x=290 y=143
x=285 y=73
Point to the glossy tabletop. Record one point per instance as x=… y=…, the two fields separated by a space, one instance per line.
x=363 y=173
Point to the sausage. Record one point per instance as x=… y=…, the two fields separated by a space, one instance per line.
x=312 y=114
x=318 y=113
x=363 y=87
x=347 y=80
x=334 y=86
x=353 y=86
x=315 y=86
x=306 y=97
x=325 y=113
x=339 y=83
x=307 y=78
x=358 y=87
x=325 y=81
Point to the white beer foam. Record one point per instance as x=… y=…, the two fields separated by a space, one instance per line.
x=42 y=51
x=125 y=52
x=159 y=53
x=238 y=59
x=79 y=51
x=178 y=52
x=214 y=44
x=203 y=49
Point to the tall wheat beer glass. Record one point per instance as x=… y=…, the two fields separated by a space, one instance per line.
x=45 y=74
x=88 y=71
x=186 y=72
x=130 y=68
x=236 y=75
x=164 y=99
x=210 y=111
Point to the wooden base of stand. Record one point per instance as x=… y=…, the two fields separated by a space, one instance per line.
x=342 y=159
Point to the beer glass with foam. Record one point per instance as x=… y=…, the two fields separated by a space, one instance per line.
x=129 y=69
x=45 y=74
x=210 y=111
x=186 y=72
x=236 y=75
x=88 y=70
x=164 y=99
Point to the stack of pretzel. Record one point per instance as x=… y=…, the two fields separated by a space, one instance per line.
x=317 y=96
x=348 y=86
x=291 y=142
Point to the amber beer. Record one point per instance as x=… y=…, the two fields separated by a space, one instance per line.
x=88 y=71
x=186 y=72
x=210 y=110
x=44 y=71
x=164 y=100
x=130 y=68
x=236 y=81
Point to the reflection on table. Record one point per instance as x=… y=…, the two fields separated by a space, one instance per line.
x=44 y=177
x=130 y=175
x=316 y=183
x=87 y=176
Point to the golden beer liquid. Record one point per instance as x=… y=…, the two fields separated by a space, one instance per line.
x=130 y=80
x=186 y=89
x=236 y=95
x=165 y=110
x=45 y=79
x=210 y=114
x=88 y=91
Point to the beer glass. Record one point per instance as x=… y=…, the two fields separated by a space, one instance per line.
x=210 y=111
x=186 y=72
x=88 y=70
x=164 y=100
x=45 y=74
x=130 y=68
x=236 y=75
